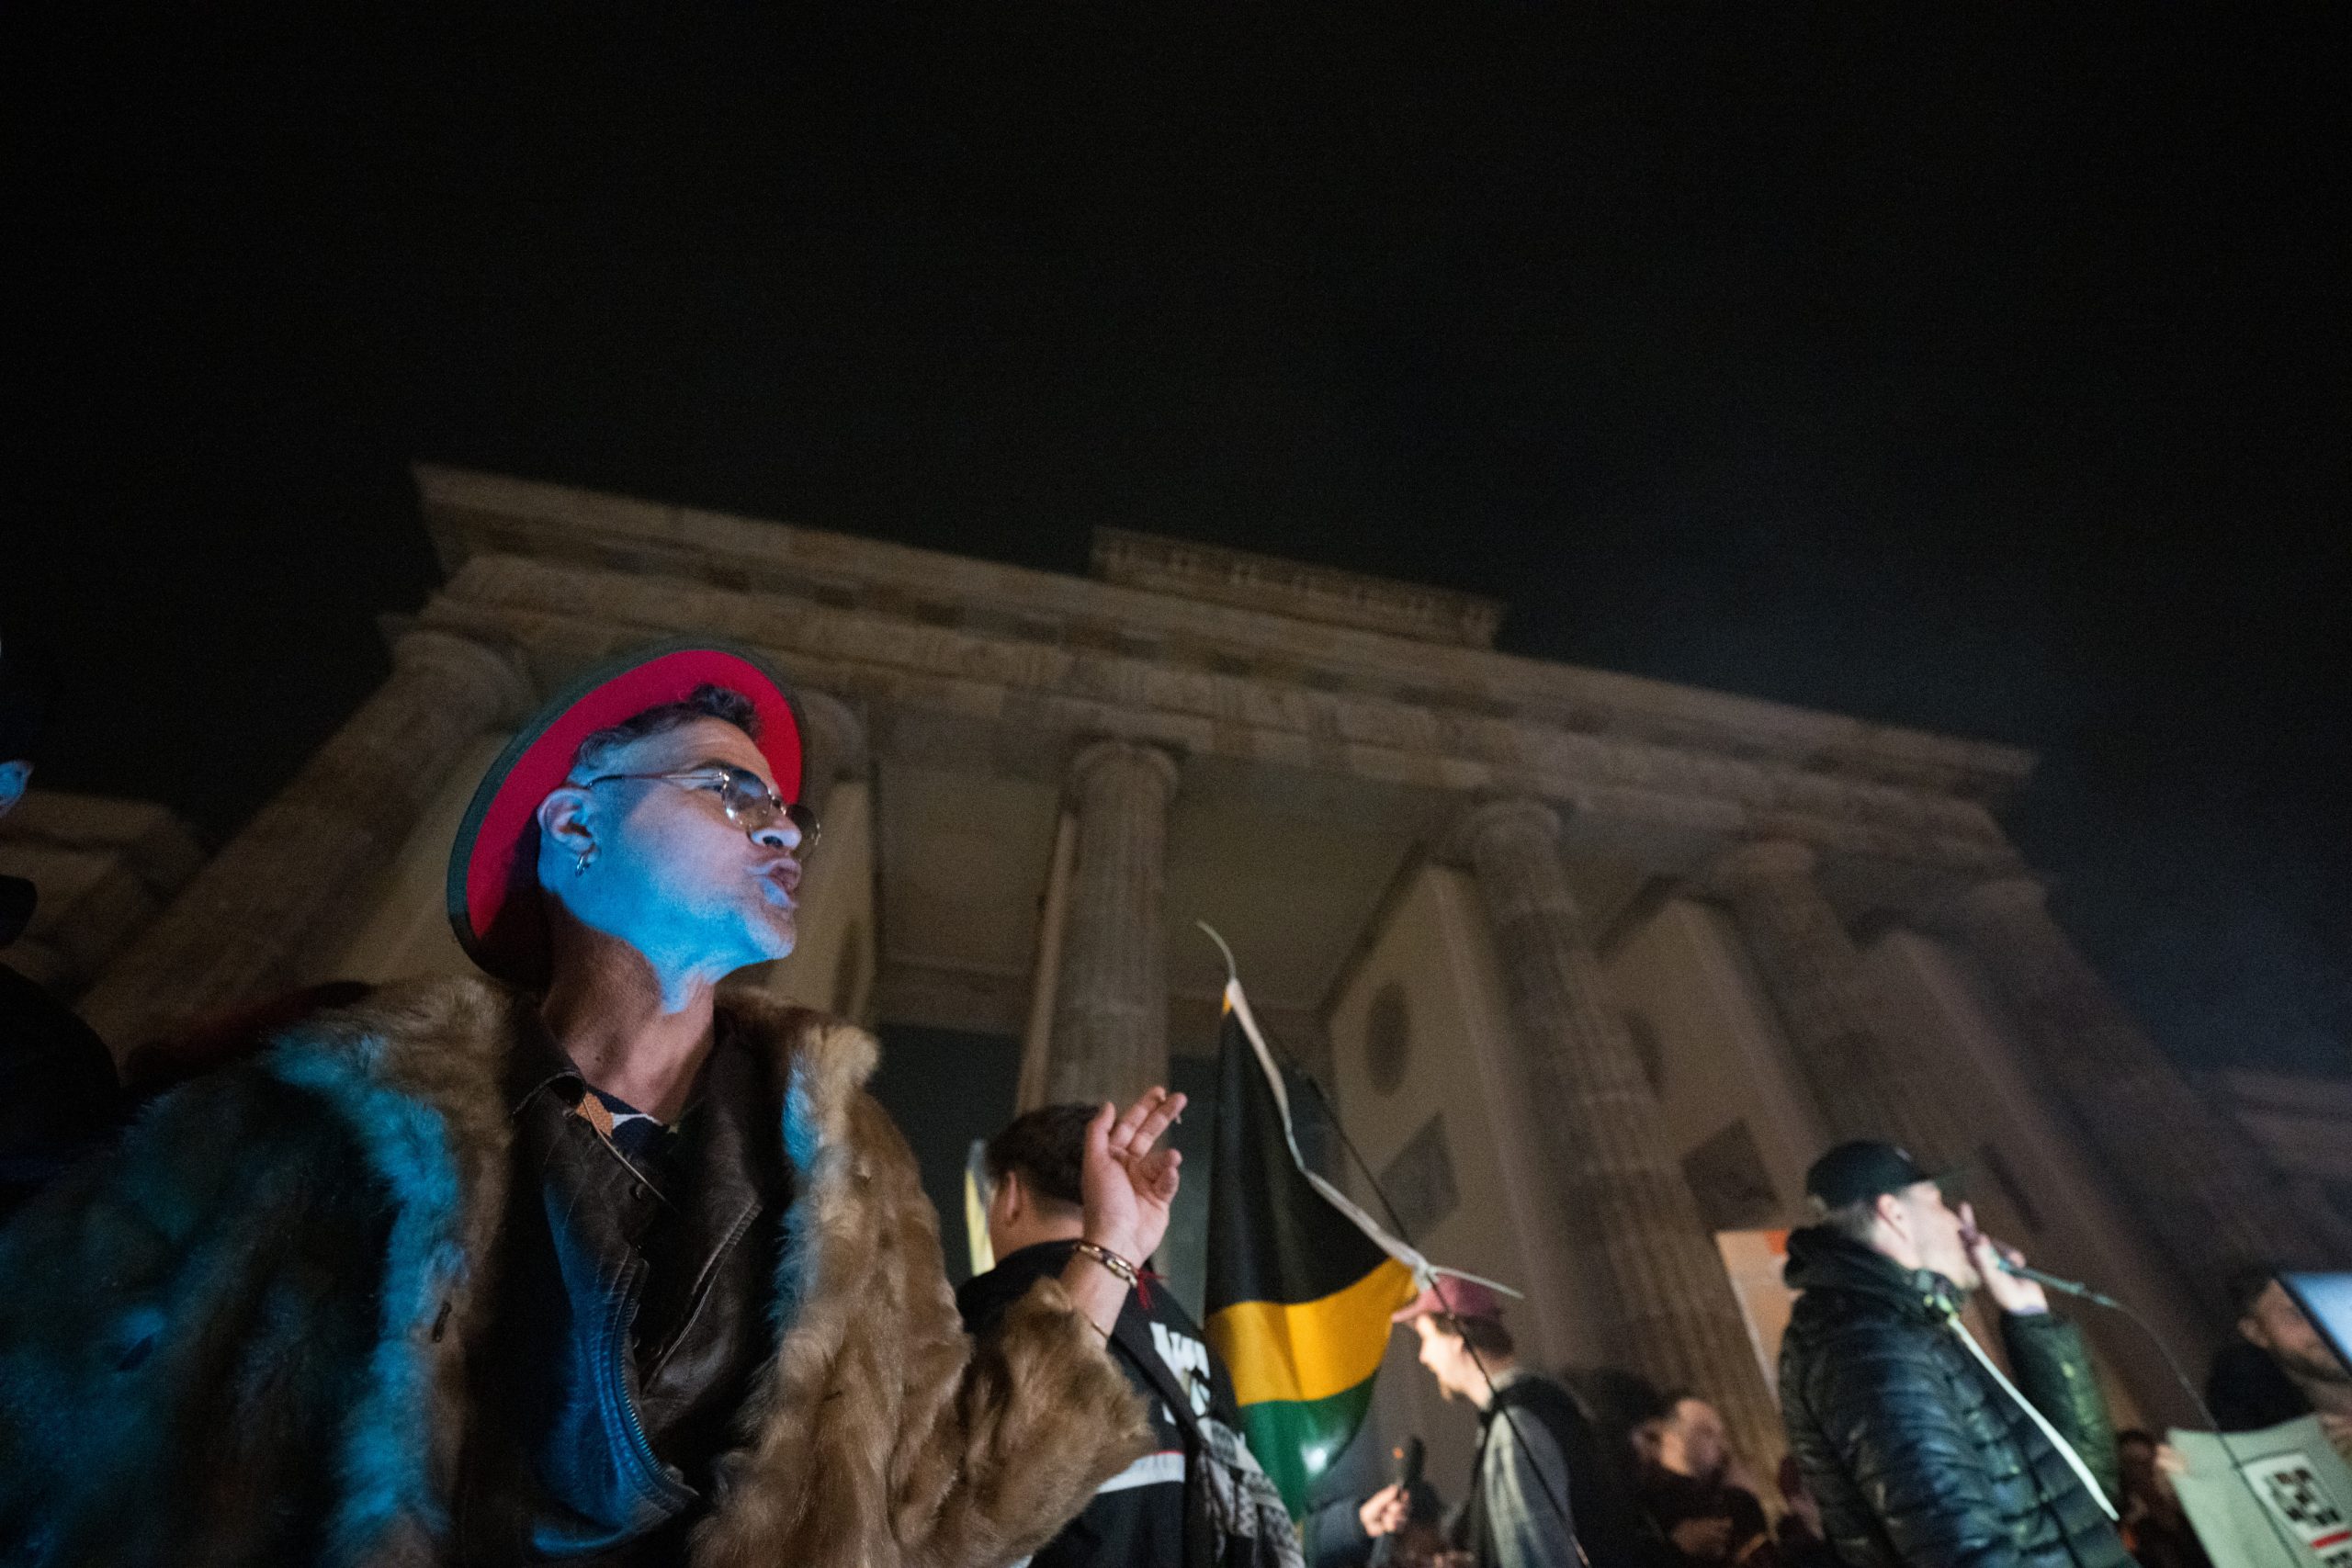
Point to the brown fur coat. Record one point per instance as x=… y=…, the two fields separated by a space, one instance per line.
x=240 y=1338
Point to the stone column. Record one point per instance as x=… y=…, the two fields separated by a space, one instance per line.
x=1867 y=1084
x=285 y=891
x=2196 y=1180
x=1619 y=1181
x=1110 y=1037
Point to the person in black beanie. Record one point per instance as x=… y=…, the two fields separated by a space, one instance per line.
x=59 y=1095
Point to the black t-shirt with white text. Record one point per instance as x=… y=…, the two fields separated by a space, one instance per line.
x=1136 y=1519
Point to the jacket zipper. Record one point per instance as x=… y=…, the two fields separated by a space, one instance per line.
x=656 y=1478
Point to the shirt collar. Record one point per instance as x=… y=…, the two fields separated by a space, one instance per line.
x=1500 y=1381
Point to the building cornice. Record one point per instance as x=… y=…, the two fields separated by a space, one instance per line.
x=985 y=695
x=471 y=515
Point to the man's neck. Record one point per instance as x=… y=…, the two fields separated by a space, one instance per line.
x=630 y=1035
x=1038 y=1233
x=1499 y=1370
x=1899 y=1254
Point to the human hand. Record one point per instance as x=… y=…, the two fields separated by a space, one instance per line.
x=1706 y=1538
x=2011 y=1293
x=1127 y=1184
x=2338 y=1428
x=2171 y=1463
x=1383 y=1513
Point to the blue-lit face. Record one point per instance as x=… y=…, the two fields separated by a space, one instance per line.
x=667 y=871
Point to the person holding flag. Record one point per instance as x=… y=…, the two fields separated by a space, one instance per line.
x=1304 y=1288
x=1543 y=1493
x=1301 y=1281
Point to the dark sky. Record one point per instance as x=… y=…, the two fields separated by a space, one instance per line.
x=1985 y=374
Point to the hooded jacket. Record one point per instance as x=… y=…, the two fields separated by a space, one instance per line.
x=242 y=1337
x=1918 y=1457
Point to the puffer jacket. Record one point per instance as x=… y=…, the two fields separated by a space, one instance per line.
x=1917 y=1455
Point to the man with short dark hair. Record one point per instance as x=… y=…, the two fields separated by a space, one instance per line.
x=1197 y=1499
x=1702 y=1515
x=2278 y=1367
x=1540 y=1485
x=595 y=1260
x=1917 y=1447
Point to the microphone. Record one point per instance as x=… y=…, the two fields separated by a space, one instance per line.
x=1404 y=1470
x=1405 y=1466
x=2065 y=1287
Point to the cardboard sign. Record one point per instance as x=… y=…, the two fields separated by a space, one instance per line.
x=2277 y=1498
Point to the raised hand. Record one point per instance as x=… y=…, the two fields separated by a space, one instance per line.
x=1385 y=1511
x=2009 y=1292
x=1128 y=1182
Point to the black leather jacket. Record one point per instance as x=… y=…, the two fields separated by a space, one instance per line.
x=1918 y=1458
x=631 y=1322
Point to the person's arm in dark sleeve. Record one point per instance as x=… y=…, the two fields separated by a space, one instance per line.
x=1335 y=1536
x=1884 y=1409
x=2054 y=1370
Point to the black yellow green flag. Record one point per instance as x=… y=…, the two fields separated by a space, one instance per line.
x=1301 y=1281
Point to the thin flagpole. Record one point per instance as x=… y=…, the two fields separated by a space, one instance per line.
x=1424 y=1271
x=1401 y=1249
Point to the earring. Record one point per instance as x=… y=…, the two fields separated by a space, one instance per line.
x=580 y=867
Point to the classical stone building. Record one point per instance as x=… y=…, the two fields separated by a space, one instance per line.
x=2303 y=1122
x=1592 y=964
x=105 y=868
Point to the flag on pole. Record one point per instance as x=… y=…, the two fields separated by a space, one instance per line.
x=1301 y=1281
x=976 y=1208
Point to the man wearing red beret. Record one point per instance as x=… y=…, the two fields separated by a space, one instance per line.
x=593 y=1261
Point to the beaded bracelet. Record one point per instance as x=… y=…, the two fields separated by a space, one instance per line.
x=1117 y=1265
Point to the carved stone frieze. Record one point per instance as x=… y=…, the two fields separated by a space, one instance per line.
x=1174 y=626
x=1071 y=691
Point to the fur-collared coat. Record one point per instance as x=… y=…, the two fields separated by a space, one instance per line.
x=240 y=1337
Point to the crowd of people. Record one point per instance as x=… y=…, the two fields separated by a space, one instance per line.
x=1909 y=1444
x=593 y=1259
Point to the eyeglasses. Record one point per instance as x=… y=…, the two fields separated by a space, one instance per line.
x=743 y=796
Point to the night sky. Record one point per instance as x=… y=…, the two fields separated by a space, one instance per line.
x=1986 y=375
